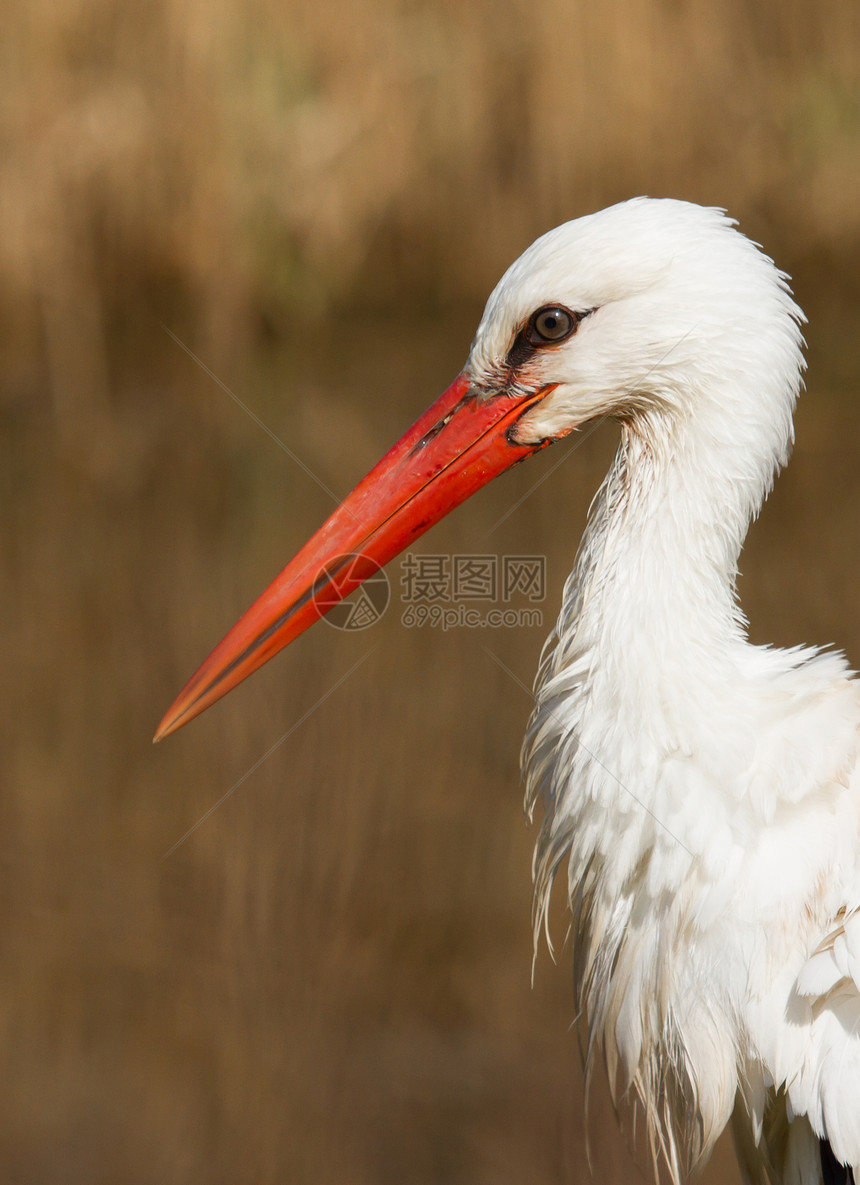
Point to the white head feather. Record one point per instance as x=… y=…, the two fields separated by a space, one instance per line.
x=685 y=307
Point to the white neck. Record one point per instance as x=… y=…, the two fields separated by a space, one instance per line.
x=649 y=661
x=643 y=684
x=650 y=614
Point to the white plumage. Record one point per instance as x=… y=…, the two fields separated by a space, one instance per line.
x=702 y=792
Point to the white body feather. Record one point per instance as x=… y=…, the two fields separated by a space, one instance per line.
x=703 y=793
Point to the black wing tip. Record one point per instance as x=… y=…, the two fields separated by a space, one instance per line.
x=833 y=1172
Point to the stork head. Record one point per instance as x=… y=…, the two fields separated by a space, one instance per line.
x=652 y=309
x=648 y=308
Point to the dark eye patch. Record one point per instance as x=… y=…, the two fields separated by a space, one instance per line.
x=547 y=326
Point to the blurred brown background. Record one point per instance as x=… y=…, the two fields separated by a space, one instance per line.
x=329 y=979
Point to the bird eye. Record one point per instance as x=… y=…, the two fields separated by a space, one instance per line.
x=552 y=324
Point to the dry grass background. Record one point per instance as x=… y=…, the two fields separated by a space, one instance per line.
x=329 y=980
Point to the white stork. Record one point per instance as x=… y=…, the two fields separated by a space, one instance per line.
x=702 y=793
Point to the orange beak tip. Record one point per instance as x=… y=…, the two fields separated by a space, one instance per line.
x=160 y=733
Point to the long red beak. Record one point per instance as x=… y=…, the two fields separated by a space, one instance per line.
x=460 y=443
